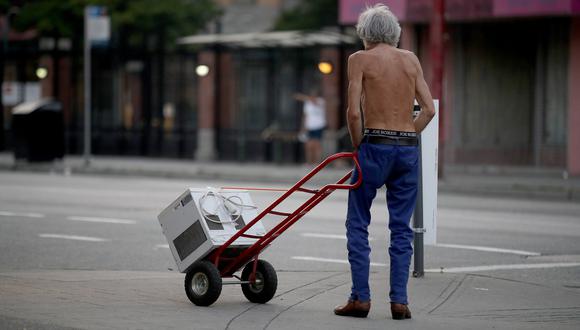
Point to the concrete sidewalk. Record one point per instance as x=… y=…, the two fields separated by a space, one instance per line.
x=304 y=300
x=497 y=181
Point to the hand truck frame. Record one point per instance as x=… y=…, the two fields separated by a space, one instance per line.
x=203 y=281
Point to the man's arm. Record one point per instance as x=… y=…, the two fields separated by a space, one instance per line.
x=424 y=98
x=301 y=97
x=353 y=115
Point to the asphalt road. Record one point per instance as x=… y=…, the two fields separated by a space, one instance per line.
x=88 y=252
x=58 y=222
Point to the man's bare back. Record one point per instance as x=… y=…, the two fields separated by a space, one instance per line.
x=387 y=80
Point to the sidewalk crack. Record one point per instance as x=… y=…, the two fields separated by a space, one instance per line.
x=300 y=302
x=464 y=277
x=282 y=294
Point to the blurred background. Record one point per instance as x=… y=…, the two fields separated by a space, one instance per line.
x=214 y=80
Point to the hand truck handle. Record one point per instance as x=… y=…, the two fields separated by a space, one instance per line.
x=318 y=196
x=340 y=184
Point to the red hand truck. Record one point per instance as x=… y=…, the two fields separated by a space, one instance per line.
x=203 y=281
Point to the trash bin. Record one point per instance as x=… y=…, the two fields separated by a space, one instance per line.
x=38 y=130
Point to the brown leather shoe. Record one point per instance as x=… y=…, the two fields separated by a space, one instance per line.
x=354 y=308
x=400 y=311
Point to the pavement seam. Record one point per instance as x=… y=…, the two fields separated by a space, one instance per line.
x=509 y=280
x=300 y=302
x=440 y=294
x=457 y=286
x=280 y=295
x=528 y=315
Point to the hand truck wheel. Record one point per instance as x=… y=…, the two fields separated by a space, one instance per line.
x=265 y=284
x=203 y=283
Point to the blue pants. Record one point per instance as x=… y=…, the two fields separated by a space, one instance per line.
x=396 y=167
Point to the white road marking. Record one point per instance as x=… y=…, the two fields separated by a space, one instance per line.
x=475 y=269
x=488 y=249
x=334 y=261
x=74 y=238
x=457 y=269
x=31 y=215
x=161 y=246
x=328 y=236
x=453 y=246
x=24 y=215
x=102 y=220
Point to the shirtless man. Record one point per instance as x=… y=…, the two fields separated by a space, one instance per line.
x=386 y=80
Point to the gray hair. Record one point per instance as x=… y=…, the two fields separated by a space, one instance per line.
x=378 y=24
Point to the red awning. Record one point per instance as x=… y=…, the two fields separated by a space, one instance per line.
x=419 y=11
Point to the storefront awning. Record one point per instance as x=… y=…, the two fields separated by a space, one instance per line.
x=420 y=11
x=271 y=39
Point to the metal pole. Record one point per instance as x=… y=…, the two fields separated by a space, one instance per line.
x=87 y=92
x=4 y=59
x=4 y=54
x=419 y=230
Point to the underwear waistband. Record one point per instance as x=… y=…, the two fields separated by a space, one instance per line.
x=388 y=133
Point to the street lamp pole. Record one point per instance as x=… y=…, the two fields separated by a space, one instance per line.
x=4 y=54
x=87 y=92
x=5 y=29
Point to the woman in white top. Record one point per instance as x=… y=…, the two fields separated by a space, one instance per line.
x=313 y=124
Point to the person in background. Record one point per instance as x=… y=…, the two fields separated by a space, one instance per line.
x=313 y=124
x=386 y=80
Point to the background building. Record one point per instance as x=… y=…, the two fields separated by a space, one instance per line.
x=512 y=71
x=246 y=111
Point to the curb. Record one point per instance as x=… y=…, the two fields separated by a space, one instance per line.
x=289 y=175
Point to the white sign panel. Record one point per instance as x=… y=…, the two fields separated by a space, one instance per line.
x=11 y=93
x=32 y=91
x=98 y=24
x=429 y=167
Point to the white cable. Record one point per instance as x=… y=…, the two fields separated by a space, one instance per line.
x=233 y=209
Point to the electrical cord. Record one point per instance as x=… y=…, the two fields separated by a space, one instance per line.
x=233 y=205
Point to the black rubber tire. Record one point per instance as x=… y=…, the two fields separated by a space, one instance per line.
x=263 y=292
x=208 y=283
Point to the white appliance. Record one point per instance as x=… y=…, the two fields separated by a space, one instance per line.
x=201 y=220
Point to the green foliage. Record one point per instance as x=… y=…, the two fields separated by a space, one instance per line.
x=173 y=18
x=4 y=6
x=51 y=17
x=309 y=15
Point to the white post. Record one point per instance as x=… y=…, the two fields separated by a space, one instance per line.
x=429 y=166
x=425 y=216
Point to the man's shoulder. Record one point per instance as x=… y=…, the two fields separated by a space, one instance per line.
x=363 y=54
x=408 y=55
x=360 y=57
x=357 y=55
